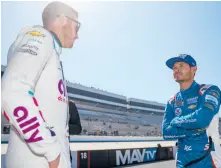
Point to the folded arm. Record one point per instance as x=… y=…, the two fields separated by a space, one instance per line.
x=201 y=118
x=171 y=133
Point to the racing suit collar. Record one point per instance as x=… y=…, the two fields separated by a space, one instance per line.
x=57 y=43
x=190 y=89
x=56 y=38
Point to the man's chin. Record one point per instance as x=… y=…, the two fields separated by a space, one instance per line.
x=179 y=80
x=69 y=46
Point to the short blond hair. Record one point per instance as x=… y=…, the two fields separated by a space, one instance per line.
x=55 y=9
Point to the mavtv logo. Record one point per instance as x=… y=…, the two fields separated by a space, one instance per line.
x=135 y=155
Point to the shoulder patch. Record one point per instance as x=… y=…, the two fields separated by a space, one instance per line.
x=172 y=98
x=203 y=88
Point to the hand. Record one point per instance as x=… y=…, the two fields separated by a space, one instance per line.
x=54 y=163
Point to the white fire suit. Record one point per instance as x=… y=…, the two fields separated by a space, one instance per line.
x=35 y=102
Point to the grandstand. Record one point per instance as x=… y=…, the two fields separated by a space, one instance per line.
x=89 y=98
x=113 y=114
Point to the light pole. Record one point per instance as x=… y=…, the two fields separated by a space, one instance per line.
x=111 y=124
x=88 y=125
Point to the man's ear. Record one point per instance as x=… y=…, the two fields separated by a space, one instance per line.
x=62 y=20
x=195 y=69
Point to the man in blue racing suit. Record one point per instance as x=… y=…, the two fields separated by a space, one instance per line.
x=191 y=116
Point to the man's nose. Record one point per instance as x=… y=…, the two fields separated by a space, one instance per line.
x=76 y=36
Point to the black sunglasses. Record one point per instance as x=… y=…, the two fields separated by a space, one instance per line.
x=78 y=23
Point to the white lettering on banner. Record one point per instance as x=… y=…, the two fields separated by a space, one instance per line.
x=120 y=157
x=151 y=154
x=84 y=155
x=136 y=156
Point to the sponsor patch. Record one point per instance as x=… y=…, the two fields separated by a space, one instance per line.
x=214 y=93
x=35 y=40
x=36 y=33
x=188 y=148
x=27 y=124
x=192 y=100
x=193 y=106
x=63 y=92
x=178 y=103
x=178 y=111
x=27 y=51
x=209 y=106
x=210 y=98
x=187 y=121
x=29 y=46
x=204 y=88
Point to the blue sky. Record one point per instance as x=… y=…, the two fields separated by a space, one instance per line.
x=123 y=46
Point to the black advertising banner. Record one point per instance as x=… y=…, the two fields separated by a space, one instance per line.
x=99 y=159
x=120 y=157
x=164 y=153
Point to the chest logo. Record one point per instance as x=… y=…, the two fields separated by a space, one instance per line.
x=178 y=111
x=192 y=106
x=35 y=33
x=178 y=103
x=62 y=91
x=192 y=100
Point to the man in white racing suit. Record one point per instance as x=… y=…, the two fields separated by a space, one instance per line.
x=34 y=96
